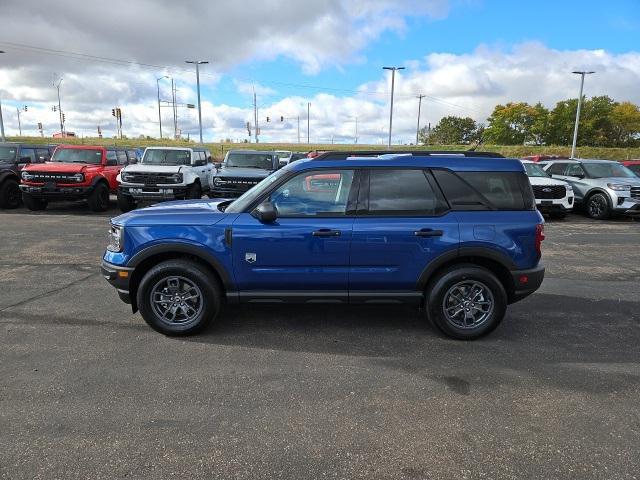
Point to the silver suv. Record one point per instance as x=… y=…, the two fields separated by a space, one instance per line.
x=602 y=187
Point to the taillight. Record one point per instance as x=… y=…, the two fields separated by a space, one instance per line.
x=539 y=238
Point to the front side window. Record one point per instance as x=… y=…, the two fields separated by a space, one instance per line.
x=42 y=155
x=122 y=157
x=77 y=155
x=166 y=157
x=607 y=170
x=401 y=192
x=27 y=155
x=557 y=168
x=250 y=196
x=112 y=156
x=315 y=193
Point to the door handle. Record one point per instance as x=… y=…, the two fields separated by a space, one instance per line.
x=326 y=232
x=428 y=232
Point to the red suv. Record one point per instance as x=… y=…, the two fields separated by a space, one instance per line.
x=75 y=172
x=633 y=165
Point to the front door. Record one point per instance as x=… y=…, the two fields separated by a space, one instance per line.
x=305 y=251
x=402 y=225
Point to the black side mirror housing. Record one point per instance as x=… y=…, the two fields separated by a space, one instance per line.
x=199 y=163
x=266 y=212
x=25 y=159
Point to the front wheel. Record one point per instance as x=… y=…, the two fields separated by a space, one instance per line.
x=466 y=302
x=33 y=203
x=126 y=203
x=10 y=194
x=195 y=191
x=598 y=207
x=179 y=297
x=98 y=199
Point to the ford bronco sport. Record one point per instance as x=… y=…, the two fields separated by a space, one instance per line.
x=13 y=157
x=165 y=173
x=457 y=235
x=75 y=172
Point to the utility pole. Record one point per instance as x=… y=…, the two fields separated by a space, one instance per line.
x=60 y=108
x=393 y=80
x=298 y=128
x=159 y=115
x=255 y=116
x=419 y=97
x=175 y=110
x=308 y=116
x=198 y=63
x=575 y=129
x=18 y=110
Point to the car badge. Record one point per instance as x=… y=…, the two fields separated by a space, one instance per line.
x=547 y=190
x=250 y=257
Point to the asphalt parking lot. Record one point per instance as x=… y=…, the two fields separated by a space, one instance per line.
x=87 y=390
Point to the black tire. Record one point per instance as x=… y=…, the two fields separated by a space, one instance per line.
x=98 y=199
x=597 y=206
x=34 y=203
x=156 y=285
x=195 y=191
x=442 y=289
x=126 y=203
x=10 y=195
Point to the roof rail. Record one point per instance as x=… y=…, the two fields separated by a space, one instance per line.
x=342 y=155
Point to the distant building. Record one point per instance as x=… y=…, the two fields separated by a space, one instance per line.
x=64 y=134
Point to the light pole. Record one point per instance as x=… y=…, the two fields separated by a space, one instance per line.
x=308 y=115
x=18 y=110
x=419 y=97
x=393 y=79
x=197 y=64
x=2 y=137
x=575 y=129
x=60 y=108
x=159 y=115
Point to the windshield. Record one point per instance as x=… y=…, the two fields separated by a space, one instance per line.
x=534 y=170
x=248 y=197
x=7 y=154
x=607 y=169
x=77 y=155
x=166 y=157
x=250 y=160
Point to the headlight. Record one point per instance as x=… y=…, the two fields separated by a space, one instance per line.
x=27 y=176
x=219 y=181
x=618 y=187
x=569 y=188
x=126 y=177
x=175 y=178
x=114 y=238
x=78 y=177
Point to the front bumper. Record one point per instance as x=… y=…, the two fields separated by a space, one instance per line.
x=525 y=282
x=227 y=192
x=154 y=192
x=55 y=192
x=119 y=277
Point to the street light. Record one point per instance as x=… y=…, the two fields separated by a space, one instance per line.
x=393 y=79
x=60 y=108
x=159 y=115
x=1 y=121
x=575 y=129
x=197 y=64
x=18 y=111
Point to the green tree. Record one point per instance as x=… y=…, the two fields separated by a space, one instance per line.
x=513 y=124
x=451 y=130
x=625 y=119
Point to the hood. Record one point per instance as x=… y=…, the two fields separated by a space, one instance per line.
x=243 y=172
x=60 y=167
x=545 y=181
x=634 y=181
x=142 y=168
x=180 y=212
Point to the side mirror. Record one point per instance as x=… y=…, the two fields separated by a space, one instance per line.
x=218 y=165
x=25 y=159
x=112 y=163
x=199 y=163
x=209 y=159
x=265 y=212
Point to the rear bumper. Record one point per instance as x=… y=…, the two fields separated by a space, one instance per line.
x=119 y=278
x=526 y=282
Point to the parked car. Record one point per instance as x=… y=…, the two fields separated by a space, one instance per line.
x=602 y=187
x=543 y=158
x=284 y=157
x=459 y=236
x=165 y=173
x=553 y=197
x=241 y=170
x=74 y=172
x=295 y=156
x=13 y=157
x=633 y=165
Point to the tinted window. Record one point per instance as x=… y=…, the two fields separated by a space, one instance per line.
x=122 y=157
x=635 y=169
x=460 y=195
x=132 y=156
x=319 y=193
x=557 y=169
x=111 y=155
x=502 y=189
x=401 y=192
x=29 y=153
x=607 y=169
x=42 y=155
x=7 y=154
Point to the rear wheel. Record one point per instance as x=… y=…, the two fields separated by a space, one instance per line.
x=466 y=302
x=33 y=203
x=98 y=199
x=126 y=203
x=179 y=297
x=598 y=207
x=10 y=195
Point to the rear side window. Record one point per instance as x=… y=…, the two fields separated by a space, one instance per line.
x=482 y=190
x=402 y=192
x=111 y=155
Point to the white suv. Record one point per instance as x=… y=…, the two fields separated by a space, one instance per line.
x=165 y=173
x=554 y=197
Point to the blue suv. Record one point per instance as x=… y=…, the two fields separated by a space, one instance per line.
x=456 y=234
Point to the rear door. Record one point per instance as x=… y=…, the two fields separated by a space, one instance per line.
x=403 y=224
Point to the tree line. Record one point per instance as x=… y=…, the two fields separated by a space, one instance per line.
x=603 y=123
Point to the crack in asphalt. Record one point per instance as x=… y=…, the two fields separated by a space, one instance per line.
x=50 y=292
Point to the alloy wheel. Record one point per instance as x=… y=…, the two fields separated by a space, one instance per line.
x=176 y=300
x=468 y=304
